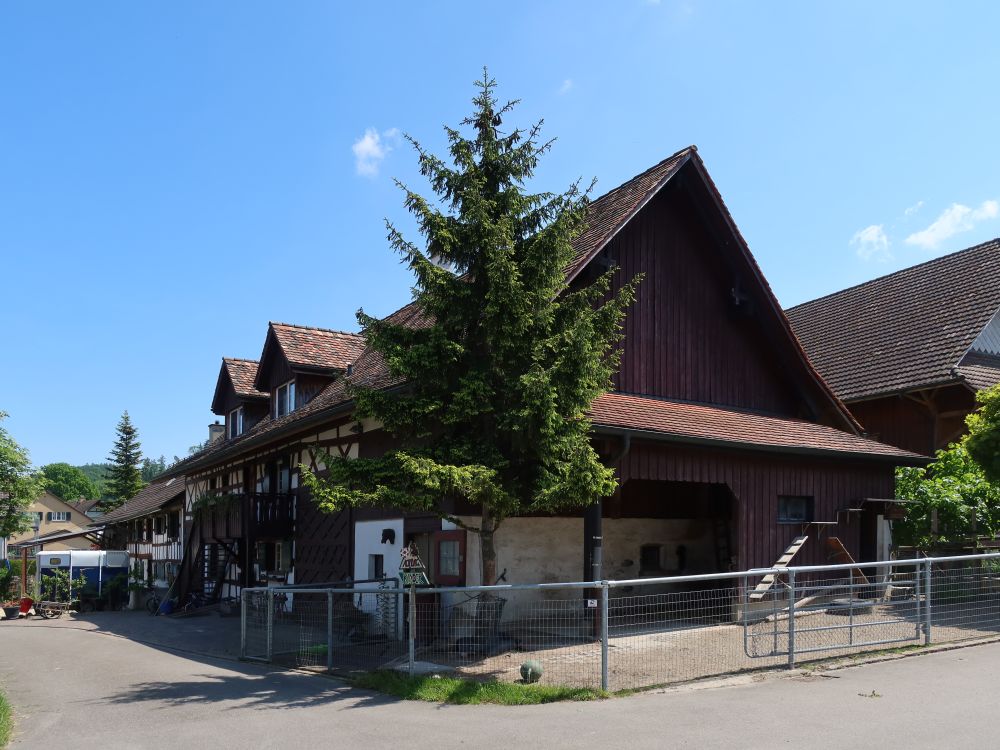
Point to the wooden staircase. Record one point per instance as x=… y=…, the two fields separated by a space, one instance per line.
x=190 y=574
x=768 y=581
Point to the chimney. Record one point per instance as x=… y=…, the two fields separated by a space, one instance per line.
x=216 y=432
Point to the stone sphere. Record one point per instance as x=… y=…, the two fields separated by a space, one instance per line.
x=531 y=671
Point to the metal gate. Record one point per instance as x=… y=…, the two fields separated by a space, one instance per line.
x=834 y=608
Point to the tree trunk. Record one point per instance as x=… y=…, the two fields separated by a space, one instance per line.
x=487 y=549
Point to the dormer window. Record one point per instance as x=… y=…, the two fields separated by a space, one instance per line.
x=284 y=402
x=235 y=423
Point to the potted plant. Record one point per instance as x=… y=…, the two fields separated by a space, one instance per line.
x=136 y=585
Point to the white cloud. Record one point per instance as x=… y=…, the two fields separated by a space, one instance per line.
x=871 y=243
x=372 y=148
x=913 y=209
x=566 y=87
x=953 y=220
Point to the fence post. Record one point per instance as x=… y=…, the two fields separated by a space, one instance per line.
x=604 y=635
x=329 y=631
x=411 y=594
x=927 y=602
x=270 y=624
x=791 y=619
x=243 y=624
x=918 y=599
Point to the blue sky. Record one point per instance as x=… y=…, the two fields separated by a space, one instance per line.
x=174 y=175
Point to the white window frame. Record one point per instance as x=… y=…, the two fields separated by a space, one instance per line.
x=58 y=516
x=235 y=423
x=289 y=399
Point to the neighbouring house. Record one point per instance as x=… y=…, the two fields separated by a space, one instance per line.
x=89 y=508
x=728 y=443
x=61 y=525
x=150 y=528
x=908 y=351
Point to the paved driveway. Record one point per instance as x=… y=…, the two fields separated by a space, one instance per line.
x=86 y=688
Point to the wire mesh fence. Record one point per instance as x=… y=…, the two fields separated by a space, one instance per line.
x=626 y=634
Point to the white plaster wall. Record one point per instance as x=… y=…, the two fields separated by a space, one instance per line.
x=550 y=550
x=368 y=541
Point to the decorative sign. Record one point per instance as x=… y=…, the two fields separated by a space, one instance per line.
x=413 y=577
x=410 y=558
x=412 y=571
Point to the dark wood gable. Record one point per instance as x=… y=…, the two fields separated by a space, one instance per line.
x=274 y=368
x=705 y=327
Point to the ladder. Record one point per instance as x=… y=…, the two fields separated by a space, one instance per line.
x=837 y=553
x=768 y=581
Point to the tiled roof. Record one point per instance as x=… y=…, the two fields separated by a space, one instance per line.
x=607 y=214
x=83 y=505
x=905 y=331
x=242 y=373
x=980 y=372
x=320 y=348
x=151 y=498
x=696 y=423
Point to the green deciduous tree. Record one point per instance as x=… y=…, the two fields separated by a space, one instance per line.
x=500 y=376
x=124 y=478
x=69 y=482
x=954 y=487
x=984 y=433
x=20 y=485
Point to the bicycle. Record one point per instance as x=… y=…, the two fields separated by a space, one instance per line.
x=153 y=603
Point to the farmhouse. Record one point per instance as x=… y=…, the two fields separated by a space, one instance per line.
x=150 y=528
x=728 y=444
x=909 y=350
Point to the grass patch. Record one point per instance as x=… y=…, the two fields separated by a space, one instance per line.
x=6 y=721
x=469 y=692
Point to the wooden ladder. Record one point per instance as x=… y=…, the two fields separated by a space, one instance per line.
x=836 y=552
x=768 y=581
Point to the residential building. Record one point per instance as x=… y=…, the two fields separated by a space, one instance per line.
x=727 y=442
x=55 y=518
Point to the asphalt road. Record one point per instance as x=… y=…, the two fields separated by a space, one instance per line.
x=86 y=689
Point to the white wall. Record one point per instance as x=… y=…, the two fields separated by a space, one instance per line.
x=368 y=541
x=550 y=550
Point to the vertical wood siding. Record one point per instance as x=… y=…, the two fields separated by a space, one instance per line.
x=684 y=338
x=758 y=480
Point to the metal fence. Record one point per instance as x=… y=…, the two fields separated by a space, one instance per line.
x=627 y=634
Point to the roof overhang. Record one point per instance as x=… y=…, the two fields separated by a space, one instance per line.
x=794 y=450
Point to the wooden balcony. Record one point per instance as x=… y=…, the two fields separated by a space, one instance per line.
x=270 y=515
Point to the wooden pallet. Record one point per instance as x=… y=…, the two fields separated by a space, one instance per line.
x=767 y=582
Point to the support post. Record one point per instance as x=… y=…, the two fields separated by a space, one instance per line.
x=791 y=619
x=24 y=572
x=243 y=623
x=592 y=537
x=329 y=631
x=927 y=602
x=604 y=635
x=412 y=593
x=270 y=623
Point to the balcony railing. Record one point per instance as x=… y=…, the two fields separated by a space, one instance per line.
x=271 y=514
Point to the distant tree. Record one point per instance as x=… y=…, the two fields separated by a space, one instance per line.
x=124 y=477
x=499 y=380
x=96 y=473
x=152 y=468
x=983 y=440
x=196 y=448
x=68 y=482
x=20 y=485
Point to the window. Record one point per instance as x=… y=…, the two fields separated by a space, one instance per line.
x=174 y=525
x=284 y=401
x=649 y=558
x=159 y=524
x=376 y=567
x=59 y=515
x=795 y=509
x=235 y=423
x=448 y=558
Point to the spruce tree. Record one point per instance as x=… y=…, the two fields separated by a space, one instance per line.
x=499 y=377
x=124 y=478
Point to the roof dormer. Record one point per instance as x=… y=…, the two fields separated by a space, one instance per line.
x=236 y=398
x=299 y=361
